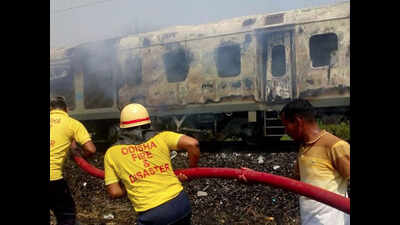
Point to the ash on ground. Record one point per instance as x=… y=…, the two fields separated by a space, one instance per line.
x=214 y=201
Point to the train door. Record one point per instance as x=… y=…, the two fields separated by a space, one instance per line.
x=279 y=67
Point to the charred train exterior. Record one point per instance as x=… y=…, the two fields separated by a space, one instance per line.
x=212 y=81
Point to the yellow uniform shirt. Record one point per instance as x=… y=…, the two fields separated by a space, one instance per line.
x=63 y=129
x=145 y=170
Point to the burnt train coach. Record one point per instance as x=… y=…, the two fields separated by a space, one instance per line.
x=217 y=81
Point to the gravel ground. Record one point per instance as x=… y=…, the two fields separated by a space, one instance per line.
x=227 y=201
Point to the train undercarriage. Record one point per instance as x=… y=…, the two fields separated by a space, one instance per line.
x=247 y=126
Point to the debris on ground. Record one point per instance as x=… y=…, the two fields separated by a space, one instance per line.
x=108 y=216
x=226 y=201
x=201 y=193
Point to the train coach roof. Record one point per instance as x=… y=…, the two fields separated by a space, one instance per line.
x=226 y=26
x=239 y=24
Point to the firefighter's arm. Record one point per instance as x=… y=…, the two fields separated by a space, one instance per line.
x=114 y=186
x=115 y=190
x=191 y=145
x=87 y=150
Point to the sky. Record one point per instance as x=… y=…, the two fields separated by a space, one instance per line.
x=79 y=21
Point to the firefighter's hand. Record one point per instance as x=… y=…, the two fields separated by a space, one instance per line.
x=75 y=149
x=75 y=152
x=182 y=177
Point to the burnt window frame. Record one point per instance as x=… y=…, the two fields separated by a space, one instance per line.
x=313 y=56
x=70 y=99
x=273 y=62
x=227 y=51
x=175 y=65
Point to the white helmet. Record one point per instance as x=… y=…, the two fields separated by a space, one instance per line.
x=134 y=115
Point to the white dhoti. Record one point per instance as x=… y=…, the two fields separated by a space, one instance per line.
x=316 y=213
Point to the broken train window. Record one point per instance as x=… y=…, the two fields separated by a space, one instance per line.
x=322 y=48
x=278 y=61
x=228 y=60
x=176 y=65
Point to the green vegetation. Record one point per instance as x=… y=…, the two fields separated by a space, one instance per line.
x=286 y=138
x=341 y=130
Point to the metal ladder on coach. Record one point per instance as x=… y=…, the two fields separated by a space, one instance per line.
x=273 y=126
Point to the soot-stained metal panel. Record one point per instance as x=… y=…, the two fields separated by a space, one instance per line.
x=202 y=83
x=328 y=78
x=274 y=19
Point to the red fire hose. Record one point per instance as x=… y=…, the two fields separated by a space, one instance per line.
x=84 y=165
x=313 y=192
x=332 y=199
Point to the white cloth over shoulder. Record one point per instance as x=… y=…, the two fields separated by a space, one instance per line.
x=316 y=213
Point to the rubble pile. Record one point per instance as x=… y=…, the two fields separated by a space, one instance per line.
x=214 y=200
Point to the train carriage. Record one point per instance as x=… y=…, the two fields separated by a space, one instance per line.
x=218 y=81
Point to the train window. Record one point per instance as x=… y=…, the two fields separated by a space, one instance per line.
x=321 y=48
x=176 y=65
x=134 y=70
x=278 y=58
x=228 y=60
x=62 y=84
x=97 y=81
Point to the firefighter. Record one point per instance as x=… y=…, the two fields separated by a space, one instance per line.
x=139 y=166
x=65 y=133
